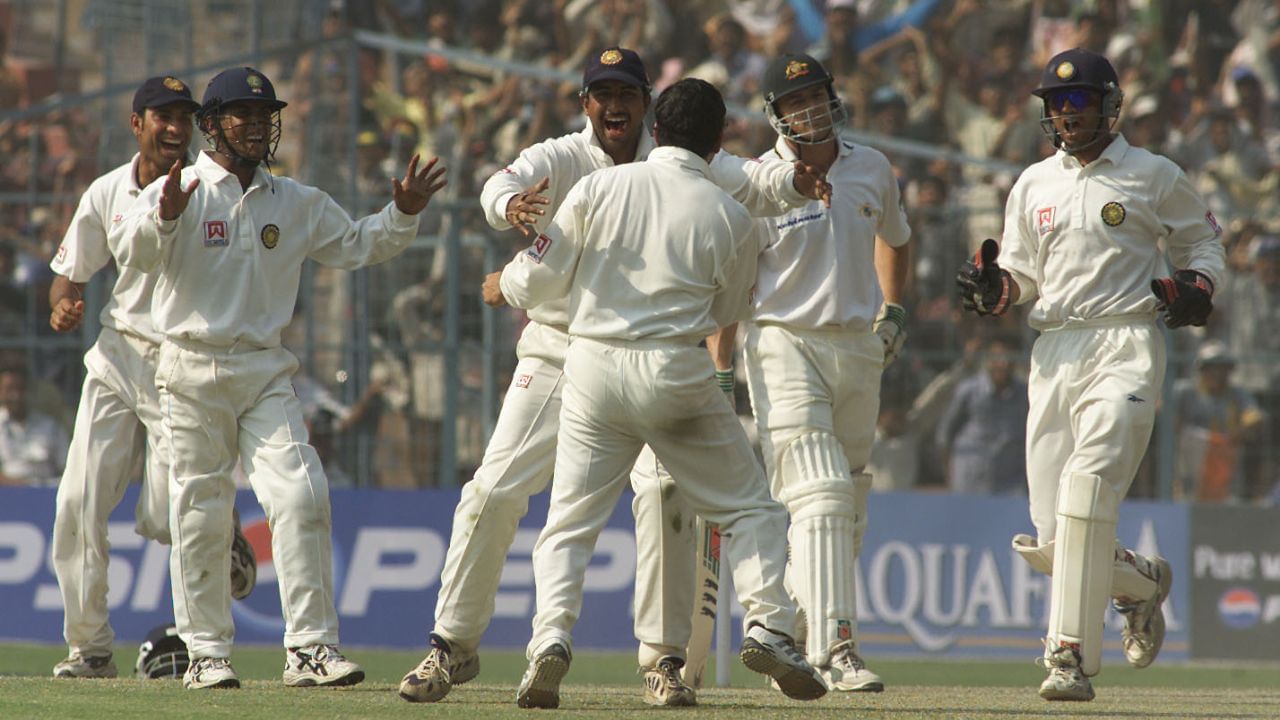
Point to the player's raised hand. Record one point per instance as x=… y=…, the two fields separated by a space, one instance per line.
x=523 y=209
x=985 y=288
x=173 y=199
x=812 y=183
x=491 y=291
x=66 y=315
x=412 y=192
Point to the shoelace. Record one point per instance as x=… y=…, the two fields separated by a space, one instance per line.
x=671 y=675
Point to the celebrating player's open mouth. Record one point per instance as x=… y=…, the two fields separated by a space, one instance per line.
x=616 y=124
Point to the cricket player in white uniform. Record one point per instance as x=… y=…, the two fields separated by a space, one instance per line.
x=1083 y=234
x=825 y=321
x=519 y=459
x=652 y=257
x=227 y=241
x=117 y=433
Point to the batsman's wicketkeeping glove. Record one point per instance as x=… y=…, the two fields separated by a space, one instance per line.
x=1185 y=299
x=985 y=288
x=891 y=326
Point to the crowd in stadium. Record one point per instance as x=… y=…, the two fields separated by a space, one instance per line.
x=1201 y=80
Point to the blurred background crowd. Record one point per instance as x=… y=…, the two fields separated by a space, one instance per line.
x=403 y=369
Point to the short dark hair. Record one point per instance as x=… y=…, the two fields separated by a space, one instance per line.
x=690 y=115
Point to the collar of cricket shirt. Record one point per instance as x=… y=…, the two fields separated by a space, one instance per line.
x=210 y=170
x=644 y=147
x=680 y=156
x=1114 y=154
x=785 y=152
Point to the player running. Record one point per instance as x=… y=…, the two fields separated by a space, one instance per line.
x=1082 y=240
x=117 y=434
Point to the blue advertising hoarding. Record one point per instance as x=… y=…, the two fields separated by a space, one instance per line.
x=937 y=576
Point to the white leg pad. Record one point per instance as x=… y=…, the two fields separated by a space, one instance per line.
x=861 y=490
x=1132 y=575
x=1088 y=509
x=821 y=498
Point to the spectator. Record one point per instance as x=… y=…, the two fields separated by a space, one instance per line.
x=1218 y=426
x=983 y=433
x=732 y=66
x=33 y=447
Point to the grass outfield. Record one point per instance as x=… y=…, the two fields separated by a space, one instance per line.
x=606 y=685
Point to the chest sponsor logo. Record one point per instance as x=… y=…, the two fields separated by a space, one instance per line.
x=539 y=248
x=1113 y=213
x=1213 y=223
x=270 y=236
x=1044 y=220
x=524 y=380
x=215 y=233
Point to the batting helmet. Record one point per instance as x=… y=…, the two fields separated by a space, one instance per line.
x=235 y=84
x=162 y=654
x=793 y=73
x=1079 y=69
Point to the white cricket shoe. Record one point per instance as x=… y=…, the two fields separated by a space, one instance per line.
x=244 y=563
x=319 y=666
x=1066 y=681
x=775 y=655
x=847 y=671
x=540 y=686
x=85 y=666
x=438 y=672
x=1143 y=632
x=209 y=672
x=663 y=684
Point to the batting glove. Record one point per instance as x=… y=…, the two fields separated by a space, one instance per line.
x=1185 y=299
x=985 y=287
x=891 y=326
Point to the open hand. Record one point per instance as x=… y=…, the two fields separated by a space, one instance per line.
x=173 y=199
x=812 y=183
x=524 y=209
x=412 y=193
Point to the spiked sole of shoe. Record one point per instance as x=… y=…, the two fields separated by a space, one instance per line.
x=793 y=682
x=544 y=687
x=349 y=679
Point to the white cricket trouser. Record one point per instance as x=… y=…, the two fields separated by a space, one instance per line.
x=518 y=464
x=619 y=396
x=117 y=434
x=217 y=404
x=1093 y=393
x=809 y=384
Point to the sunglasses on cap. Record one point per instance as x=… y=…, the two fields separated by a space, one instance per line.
x=1078 y=97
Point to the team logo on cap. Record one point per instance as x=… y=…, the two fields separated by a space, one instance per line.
x=610 y=57
x=797 y=68
x=254 y=82
x=174 y=84
x=270 y=237
x=1065 y=70
x=1113 y=213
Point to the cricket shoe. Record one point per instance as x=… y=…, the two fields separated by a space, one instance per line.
x=663 y=684
x=244 y=563
x=1066 y=681
x=540 y=686
x=848 y=673
x=775 y=655
x=210 y=672
x=319 y=666
x=85 y=666
x=438 y=672
x=1143 y=631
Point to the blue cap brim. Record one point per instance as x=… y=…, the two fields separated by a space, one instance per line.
x=618 y=75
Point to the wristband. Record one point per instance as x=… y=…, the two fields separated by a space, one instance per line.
x=725 y=379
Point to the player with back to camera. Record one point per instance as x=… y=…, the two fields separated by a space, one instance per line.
x=520 y=456
x=227 y=241
x=1082 y=240
x=117 y=433
x=651 y=258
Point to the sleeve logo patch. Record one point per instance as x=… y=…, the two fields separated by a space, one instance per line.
x=1044 y=220
x=1213 y=223
x=524 y=381
x=539 y=248
x=215 y=233
x=62 y=253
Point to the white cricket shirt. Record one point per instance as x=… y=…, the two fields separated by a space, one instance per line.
x=84 y=251
x=765 y=186
x=817 y=264
x=1085 y=242
x=643 y=250
x=228 y=267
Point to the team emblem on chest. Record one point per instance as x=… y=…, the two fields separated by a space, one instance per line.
x=1113 y=213
x=270 y=236
x=1044 y=220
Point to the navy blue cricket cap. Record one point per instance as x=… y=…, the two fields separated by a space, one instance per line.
x=792 y=72
x=240 y=84
x=615 y=63
x=1077 y=68
x=162 y=90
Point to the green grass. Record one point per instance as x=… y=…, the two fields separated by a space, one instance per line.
x=606 y=685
